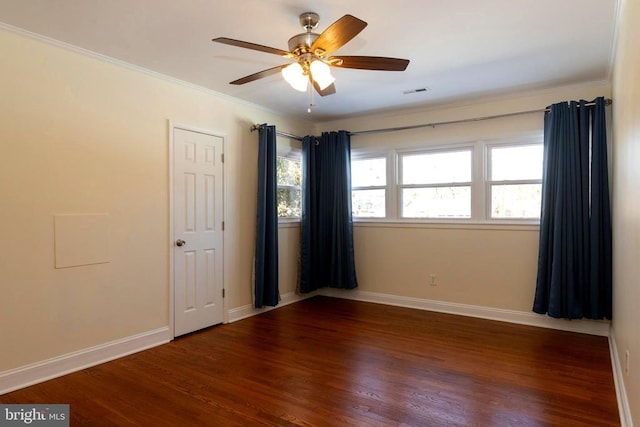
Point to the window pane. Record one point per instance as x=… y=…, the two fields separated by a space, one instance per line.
x=368 y=203
x=288 y=175
x=519 y=162
x=516 y=201
x=437 y=168
x=288 y=202
x=369 y=172
x=436 y=202
x=288 y=171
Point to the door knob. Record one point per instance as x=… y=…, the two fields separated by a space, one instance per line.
x=180 y=242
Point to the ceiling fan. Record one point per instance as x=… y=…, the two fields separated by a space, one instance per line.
x=311 y=51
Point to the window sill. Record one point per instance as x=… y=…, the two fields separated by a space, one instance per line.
x=289 y=223
x=444 y=224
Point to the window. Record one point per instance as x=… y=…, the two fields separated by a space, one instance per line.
x=436 y=184
x=368 y=184
x=515 y=181
x=475 y=182
x=288 y=174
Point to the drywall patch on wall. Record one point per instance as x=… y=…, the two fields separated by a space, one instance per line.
x=81 y=239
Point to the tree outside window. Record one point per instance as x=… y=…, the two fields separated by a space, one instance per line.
x=289 y=178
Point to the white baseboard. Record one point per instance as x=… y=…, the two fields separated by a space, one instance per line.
x=592 y=327
x=618 y=379
x=249 y=310
x=25 y=376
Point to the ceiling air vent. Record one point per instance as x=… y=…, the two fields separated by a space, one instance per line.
x=420 y=90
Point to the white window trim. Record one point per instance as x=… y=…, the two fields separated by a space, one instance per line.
x=480 y=184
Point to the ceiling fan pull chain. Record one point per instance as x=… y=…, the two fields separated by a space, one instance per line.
x=310 y=97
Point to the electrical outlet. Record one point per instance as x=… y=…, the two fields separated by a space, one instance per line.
x=433 y=280
x=626 y=362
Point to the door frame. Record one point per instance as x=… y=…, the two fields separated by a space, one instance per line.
x=172 y=126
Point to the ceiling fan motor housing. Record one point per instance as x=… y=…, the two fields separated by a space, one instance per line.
x=301 y=43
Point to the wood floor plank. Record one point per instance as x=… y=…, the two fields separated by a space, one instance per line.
x=333 y=362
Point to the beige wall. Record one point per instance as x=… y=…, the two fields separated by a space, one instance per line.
x=288 y=257
x=626 y=201
x=481 y=265
x=81 y=135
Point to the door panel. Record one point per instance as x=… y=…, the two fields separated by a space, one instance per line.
x=197 y=229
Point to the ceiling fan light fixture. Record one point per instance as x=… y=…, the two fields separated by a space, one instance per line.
x=294 y=75
x=321 y=74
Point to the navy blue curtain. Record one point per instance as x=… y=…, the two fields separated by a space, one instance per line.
x=266 y=256
x=574 y=259
x=326 y=253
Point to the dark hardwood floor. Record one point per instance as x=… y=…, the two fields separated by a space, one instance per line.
x=333 y=362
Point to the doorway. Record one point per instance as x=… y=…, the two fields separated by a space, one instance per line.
x=197 y=206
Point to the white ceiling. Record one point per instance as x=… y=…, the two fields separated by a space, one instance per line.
x=458 y=49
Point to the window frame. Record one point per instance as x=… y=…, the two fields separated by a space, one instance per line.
x=294 y=154
x=371 y=155
x=480 y=183
x=489 y=183
x=427 y=151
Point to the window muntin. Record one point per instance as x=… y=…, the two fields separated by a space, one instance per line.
x=369 y=187
x=515 y=181
x=289 y=176
x=436 y=184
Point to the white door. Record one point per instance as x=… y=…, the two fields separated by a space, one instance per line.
x=197 y=230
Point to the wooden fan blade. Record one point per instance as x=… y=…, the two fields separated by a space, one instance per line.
x=338 y=34
x=258 y=75
x=329 y=90
x=369 y=63
x=253 y=46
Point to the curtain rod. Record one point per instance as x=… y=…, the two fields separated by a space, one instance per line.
x=279 y=133
x=607 y=101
